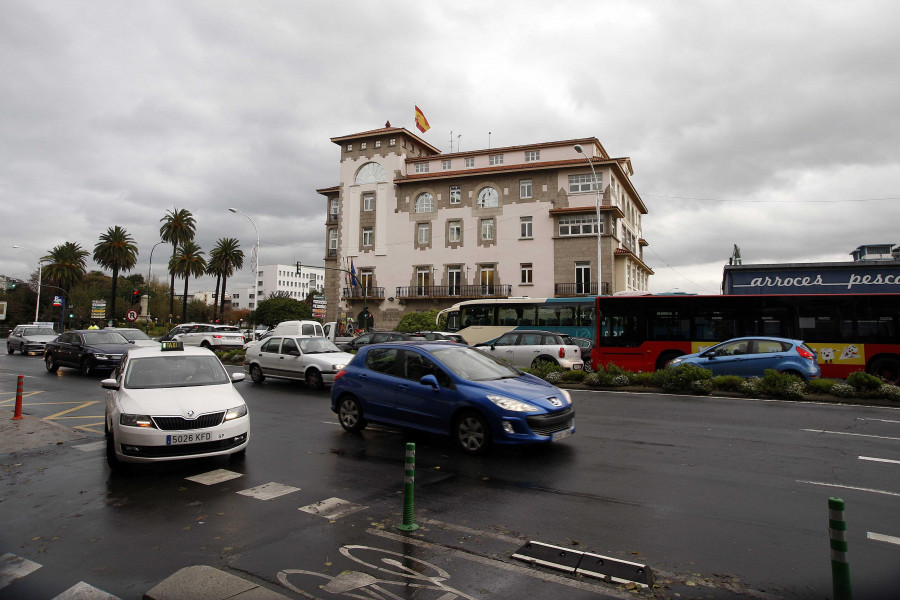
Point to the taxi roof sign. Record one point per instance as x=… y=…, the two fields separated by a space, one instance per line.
x=170 y=345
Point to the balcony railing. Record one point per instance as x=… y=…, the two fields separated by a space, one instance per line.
x=414 y=292
x=570 y=290
x=359 y=293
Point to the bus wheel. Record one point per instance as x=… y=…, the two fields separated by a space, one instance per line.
x=888 y=369
x=666 y=357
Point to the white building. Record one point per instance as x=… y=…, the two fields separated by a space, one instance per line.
x=208 y=296
x=281 y=278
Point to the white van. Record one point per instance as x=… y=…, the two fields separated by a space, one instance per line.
x=304 y=328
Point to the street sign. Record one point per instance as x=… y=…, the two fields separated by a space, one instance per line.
x=131 y=316
x=57 y=301
x=98 y=309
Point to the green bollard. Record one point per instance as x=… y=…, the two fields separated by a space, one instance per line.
x=840 y=568
x=409 y=481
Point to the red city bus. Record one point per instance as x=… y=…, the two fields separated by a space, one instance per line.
x=850 y=332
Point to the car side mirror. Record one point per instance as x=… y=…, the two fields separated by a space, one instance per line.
x=109 y=384
x=430 y=380
x=236 y=377
x=294 y=352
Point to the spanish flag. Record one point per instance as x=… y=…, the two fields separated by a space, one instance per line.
x=421 y=121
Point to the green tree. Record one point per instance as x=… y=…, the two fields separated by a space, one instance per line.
x=116 y=251
x=187 y=261
x=225 y=258
x=66 y=264
x=274 y=310
x=418 y=321
x=178 y=226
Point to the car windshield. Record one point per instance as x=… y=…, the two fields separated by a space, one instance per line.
x=473 y=365
x=175 y=371
x=317 y=345
x=38 y=331
x=133 y=334
x=104 y=337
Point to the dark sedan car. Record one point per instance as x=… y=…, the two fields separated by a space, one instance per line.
x=86 y=349
x=376 y=337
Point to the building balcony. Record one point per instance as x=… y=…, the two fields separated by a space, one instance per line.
x=359 y=293
x=574 y=290
x=458 y=292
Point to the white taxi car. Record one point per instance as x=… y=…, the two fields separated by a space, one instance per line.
x=172 y=403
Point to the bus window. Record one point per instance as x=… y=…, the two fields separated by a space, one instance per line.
x=669 y=325
x=585 y=315
x=714 y=326
x=621 y=331
x=478 y=314
x=452 y=321
x=548 y=316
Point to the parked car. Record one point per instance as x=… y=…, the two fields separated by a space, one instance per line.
x=170 y=402
x=751 y=356
x=86 y=349
x=433 y=336
x=212 y=337
x=178 y=329
x=314 y=360
x=525 y=348
x=377 y=337
x=134 y=335
x=450 y=389
x=586 y=345
x=29 y=338
x=252 y=343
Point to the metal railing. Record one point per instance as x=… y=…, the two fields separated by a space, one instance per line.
x=453 y=291
x=375 y=293
x=563 y=290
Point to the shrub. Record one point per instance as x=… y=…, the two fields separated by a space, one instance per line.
x=592 y=379
x=701 y=387
x=544 y=368
x=842 y=390
x=821 y=386
x=752 y=386
x=863 y=382
x=644 y=379
x=727 y=383
x=553 y=377
x=891 y=392
x=574 y=376
x=780 y=385
x=621 y=380
x=680 y=378
x=795 y=390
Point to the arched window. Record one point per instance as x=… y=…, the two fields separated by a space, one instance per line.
x=371 y=172
x=488 y=198
x=424 y=203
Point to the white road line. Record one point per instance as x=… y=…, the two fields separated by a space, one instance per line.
x=14 y=567
x=91 y=446
x=475 y=532
x=214 y=477
x=879 y=420
x=849 y=487
x=332 y=508
x=269 y=491
x=884 y=460
x=84 y=591
x=880 y=537
x=880 y=437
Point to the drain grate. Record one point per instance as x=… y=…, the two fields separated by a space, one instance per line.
x=585 y=563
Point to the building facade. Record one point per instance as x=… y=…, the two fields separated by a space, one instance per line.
x=423 y=230
x=285 y=279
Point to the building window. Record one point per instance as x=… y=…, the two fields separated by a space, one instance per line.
x=424 y=203
x=332 y=241
x=526 y=270
x=392 y=142
x=487 y=230
x=486 y=277
x=583 y=183
x=525 y=228
x=423 y=233
x=495 y=159
x=421 y=167
x=369 y=202
x=488 y=198
x=333 y=210
x=366 y=279
x=455 y=194
x=423 y=280
x=577 y=225
x=582 y=277
x=445 y=165
x=470 y=162
x=367 y=236
x=532 y=155
x=362 y=146
x=349 y=147
x=454 y=277
x=524 y=188
x=378 y=143
x=454 y=233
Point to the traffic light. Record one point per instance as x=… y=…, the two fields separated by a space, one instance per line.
x=11 y=285
x=135 y=296
x=298 y=268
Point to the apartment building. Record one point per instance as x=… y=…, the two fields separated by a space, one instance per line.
x=285 y=279
x=424 y=229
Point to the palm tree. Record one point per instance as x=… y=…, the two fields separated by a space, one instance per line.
x=117 y=251
x=178 y=227
x=66 y=265
x=225 y=258
x=188 y=260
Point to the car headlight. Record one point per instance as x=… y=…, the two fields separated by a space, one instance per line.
x=101 y=356
x=512 y=405
x=338 y=367
x=566 y=395
x=236 y=412
x=136 y=420
x=675 y=361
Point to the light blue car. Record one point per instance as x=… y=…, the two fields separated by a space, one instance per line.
x=751 y=356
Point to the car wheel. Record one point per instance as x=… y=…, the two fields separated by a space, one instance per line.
x=887 y=369
x=472 y=433
x=86 y=368
x=50 y=363
x=665 y=358
x=111 y=459
x=350 y=414
x=314 y=379
x=9 y=349
x=205 y=344
x=543 y=361
x=256 y=374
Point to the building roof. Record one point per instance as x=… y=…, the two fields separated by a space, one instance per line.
x=634 y=257
x=588 y=209
x=384 y=131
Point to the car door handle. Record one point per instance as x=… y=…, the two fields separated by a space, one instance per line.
x=403 y=387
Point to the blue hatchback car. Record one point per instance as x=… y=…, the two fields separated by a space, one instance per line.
x=751 y=356
x=450 y=389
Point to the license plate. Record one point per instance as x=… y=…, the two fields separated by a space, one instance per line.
x=559 y=435
x=187 y=438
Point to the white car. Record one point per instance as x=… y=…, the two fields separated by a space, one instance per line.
x=172 y=403
x=314 y=360
x=214 y=337
x=525 y=349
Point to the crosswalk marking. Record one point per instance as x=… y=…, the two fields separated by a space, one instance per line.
x=332 y=508
x=91 y=446
x=213 y=477
x=269 y=491
x=14 y=567
x=84 y=591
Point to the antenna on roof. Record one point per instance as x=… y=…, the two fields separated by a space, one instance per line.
x=451 y=141
x=457 y=142
x=489 y=140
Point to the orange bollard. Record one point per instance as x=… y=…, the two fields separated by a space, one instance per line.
x=19 y=386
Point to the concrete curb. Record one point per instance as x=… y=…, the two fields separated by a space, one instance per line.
x=32 y=432
x=202 y=582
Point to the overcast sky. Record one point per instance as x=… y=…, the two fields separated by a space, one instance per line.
x=771 y=125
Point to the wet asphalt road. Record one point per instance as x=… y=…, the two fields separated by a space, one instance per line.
x=720 y=497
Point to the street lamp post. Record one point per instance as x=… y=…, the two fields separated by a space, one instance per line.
x=37 y=304
x=596 y=185
x=256 y=254
x=149 y=271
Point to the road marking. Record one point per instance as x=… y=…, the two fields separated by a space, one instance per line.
x=879 y=420
x=24 y=395
x=880 y=437
x=92 y=446
x=475 y=532
x=332 y=508
x=14 y=567
x=849 y=487
x=80 y=406
x=885 y=460
x=269 y=491
x=213 y=477
x=880 y=537
x=84 y=591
